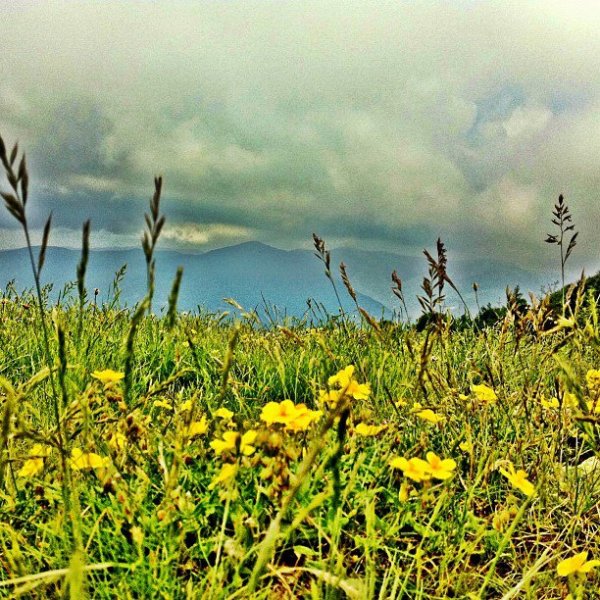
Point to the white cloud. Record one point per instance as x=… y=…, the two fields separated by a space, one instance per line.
x=191 y=234
x=527 y=121
x=68 y=238
x=95 y=184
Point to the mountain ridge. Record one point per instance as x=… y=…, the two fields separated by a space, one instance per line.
x=251 y=271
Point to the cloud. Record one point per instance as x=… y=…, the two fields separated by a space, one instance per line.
x=69 y=238
x=194 y=235
x=377 y=124
x=526 y=121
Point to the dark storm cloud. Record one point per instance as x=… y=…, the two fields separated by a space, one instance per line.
x=379 y=124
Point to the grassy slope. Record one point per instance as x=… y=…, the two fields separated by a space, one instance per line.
x=355 y=527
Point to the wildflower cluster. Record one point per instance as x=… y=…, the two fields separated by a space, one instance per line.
x=344 y=385
x=293 y=417
x=419 y=470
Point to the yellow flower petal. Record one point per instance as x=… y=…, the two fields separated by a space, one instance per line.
x=552 y=403
x=31 y=467
x=108 y=376
x=346 y=384
x=117 y=441
x=87 y=460
x=572 y=564
x=224 y=413
x=342 y=378
x=186 y=406
x=466 y=446
x=518 y=479
x=304 y=419
x=369 y=430
x=278 y=412
x=430 y=416
x=329 y=397
x=589 y=565
x=225 y=475
x=246 y=442
x=592 y=378
x=438 y=468
x=484 y=393
x=228 y=442
x=162 y=404
x=415 y=468
x=198 y=427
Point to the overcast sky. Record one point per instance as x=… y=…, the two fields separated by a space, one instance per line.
x=375 y=124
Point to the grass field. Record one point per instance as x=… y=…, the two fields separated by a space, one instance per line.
x=204 y=456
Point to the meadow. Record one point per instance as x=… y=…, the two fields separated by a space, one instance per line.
x=171 y=455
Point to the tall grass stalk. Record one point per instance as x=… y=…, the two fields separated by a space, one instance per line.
x=16 y=203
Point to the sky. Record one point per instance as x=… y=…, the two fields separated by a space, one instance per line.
x=377 y=125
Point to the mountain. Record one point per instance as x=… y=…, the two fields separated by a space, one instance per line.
x=254 y=275
x=371 y=271
x=257 y=275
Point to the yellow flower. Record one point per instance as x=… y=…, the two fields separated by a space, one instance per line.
x=593 y=406
x=576 y=564
x=87 y=460
x=329 y=397
x=429 y=415
x=117 y=441
x=34 y=464
x=369 y=430
x=224 y=413
x=518 y=479
x=303 y=419
x=342 y=378
x=108 y=376
x=226 y=474
x=162 y=404
x=348 y=385
x=466 y=446
x=279 y=412
x=246 y=442
x=484 y=393
x=592 y=378
x=186 y=406
x=552 y=403
x=230 y=441
x=294 y=417
x=415 y=468
x=198 y=427
x=438 y=468
x=570 y=400
x=30 y=467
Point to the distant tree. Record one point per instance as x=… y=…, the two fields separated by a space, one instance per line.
x=489 y=316
x=557 y=298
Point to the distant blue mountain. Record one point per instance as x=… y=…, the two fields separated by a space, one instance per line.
x=257 y=275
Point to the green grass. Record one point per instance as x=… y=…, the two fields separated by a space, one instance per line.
x=149 y=524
